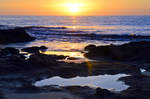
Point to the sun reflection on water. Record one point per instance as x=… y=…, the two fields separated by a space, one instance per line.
x=65 y=53
x=90 y=67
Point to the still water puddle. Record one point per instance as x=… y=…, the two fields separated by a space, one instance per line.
x=104 y=81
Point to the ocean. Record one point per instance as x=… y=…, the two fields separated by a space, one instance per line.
x=67 y=34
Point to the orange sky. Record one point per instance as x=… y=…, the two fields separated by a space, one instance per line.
x=74 y=7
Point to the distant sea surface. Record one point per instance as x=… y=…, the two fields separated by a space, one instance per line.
x=66 y=33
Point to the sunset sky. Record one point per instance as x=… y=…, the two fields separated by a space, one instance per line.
x=74 y=7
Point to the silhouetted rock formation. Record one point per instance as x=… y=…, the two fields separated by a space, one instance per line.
x=34 y=49
x=134 y=51
x=8 y=51
x=14 y=36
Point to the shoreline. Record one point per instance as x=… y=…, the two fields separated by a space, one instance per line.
x=18 y=73
x=62 y=69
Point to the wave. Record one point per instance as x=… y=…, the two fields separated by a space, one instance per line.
x=61 y=31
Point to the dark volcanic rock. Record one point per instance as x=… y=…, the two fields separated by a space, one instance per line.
x=34 y=49
x=9 y=50
x=139 y=89
x=42 y=60
x=134 y=51
x=14 y=36
x=90 y=47
x=103 y=92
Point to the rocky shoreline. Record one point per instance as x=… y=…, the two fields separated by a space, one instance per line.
x=22 y=73
x=18 y=74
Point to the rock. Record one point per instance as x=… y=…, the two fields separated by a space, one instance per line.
x=42 y=60
x=134 y=51
x=43 y=48
x=1 y=96
x=136 y=93
x=14 y=36
x=28 y=88
x=103 y=92
x=9 y=50
x=84 y=91
x=34 y=49
x=90 y=47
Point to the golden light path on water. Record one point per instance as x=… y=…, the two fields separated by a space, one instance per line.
x=65 y=53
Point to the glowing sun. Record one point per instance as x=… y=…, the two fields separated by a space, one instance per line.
x=73 y=8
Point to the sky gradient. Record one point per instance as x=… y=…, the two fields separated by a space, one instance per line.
x=74 y=7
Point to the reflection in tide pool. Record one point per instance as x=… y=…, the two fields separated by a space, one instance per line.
x=65 y=53
x=73 y=57
x=103 y=81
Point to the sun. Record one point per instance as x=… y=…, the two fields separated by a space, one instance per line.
x=73 y=8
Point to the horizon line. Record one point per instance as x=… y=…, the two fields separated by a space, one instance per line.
x=74 y=15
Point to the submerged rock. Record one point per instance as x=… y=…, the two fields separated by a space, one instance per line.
x=14 y=36
x=134 y=51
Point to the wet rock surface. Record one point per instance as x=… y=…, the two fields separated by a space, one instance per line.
x=18 y=74
x=14 y=36
x=139 y=86
x=131 y=52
